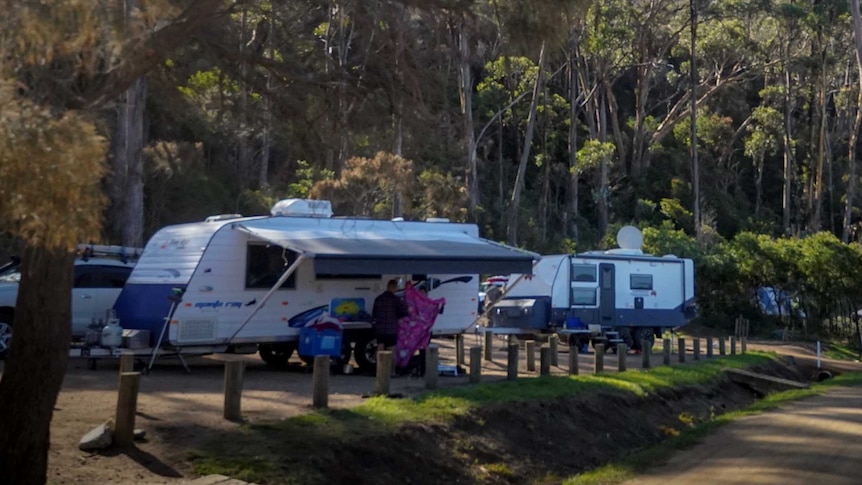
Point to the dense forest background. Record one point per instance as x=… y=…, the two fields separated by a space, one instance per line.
x=545 y=122
x=548 y=123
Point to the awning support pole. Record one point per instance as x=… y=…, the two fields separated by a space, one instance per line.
x=289 y=271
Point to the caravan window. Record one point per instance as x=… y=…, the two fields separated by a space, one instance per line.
x=641 y=282
x=265 y=264
x=584 y=273
x=584 y=296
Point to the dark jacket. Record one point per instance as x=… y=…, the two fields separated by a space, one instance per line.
x=388 y=309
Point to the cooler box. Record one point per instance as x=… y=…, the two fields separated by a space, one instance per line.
x=320 y=340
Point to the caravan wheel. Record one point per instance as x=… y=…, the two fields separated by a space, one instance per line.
x=365 y=353
x=276 y=355
x=5 y=333
x=647 y=334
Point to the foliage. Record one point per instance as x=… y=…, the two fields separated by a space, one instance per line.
x=369 y=186
x=49 y=171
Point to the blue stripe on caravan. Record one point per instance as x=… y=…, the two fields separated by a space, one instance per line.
x=144 y=307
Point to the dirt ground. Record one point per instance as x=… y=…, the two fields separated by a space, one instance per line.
x=179 y=410
x=811 y=441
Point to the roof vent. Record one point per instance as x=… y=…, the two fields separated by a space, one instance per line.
x=303 y=208
x=437 y=219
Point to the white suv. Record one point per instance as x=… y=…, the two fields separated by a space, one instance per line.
x=97 y=283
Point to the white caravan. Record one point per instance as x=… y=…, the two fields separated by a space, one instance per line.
x=622 y=294
x=233 y=283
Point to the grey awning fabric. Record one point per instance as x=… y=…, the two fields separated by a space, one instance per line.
x=394 y=252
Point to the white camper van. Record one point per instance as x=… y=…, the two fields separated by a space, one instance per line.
x=244 y=284
x=622 y=295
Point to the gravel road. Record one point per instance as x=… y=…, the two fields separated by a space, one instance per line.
x=817 y=440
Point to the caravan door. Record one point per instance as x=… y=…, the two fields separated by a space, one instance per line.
x=607 y=294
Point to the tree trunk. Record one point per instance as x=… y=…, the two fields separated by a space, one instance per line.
x=816 y=219
x=604 y=166
x=266 y=136
x=127 y=180
x=398 y=112
x=758 y=185
x=854 y=134
x=619 y=139
x=36 y=364
x=243 y=151
x=695 y=163
x=573 y=140
x=466 y=89
x=788 y=154
x=515 y=206
x=644 y=72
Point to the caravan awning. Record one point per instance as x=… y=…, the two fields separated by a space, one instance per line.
x=395 y=252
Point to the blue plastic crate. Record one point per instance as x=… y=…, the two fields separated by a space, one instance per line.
x=314 y=341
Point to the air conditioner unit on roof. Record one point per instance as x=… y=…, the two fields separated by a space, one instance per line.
x=302 y=208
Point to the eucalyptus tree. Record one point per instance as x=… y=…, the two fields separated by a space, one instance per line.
x=58 y=64
x=857 y=124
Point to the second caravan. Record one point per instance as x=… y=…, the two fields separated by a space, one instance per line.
x=252 y=283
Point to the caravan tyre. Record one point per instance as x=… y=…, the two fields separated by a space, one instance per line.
x=365 y=353
x=5 y=333
x=276 y=355
x=647 y=334
x=626 y=336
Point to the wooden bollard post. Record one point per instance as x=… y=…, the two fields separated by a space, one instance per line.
x=554 y=343
x=384 y=372
x=682 y=351
x=545 y=357
x=666 y=343
x=459 y=350
x=732 y=345
x=722 y=346
x=646 y=354
x=709 y=347
x=744 y=344
x=512 y=361
x=127 y=363
x=622 y=353
x=127 y=404
x=530 y=350
x=573 y=359
x=696 y=343
x=475 y=364
x=600 y=358
x=432 y=366
x=233 y=376
x=320 y=381
x=489 y=346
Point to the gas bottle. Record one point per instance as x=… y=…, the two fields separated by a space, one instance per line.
x=112 y=333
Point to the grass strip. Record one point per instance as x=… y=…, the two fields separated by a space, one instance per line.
x=637 y=463
x=260 y=452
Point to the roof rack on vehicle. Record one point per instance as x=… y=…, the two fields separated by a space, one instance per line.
x=123 y=253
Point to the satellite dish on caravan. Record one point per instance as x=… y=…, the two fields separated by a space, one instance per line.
x=630 y=237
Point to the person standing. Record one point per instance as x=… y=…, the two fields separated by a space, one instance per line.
x=388 y=310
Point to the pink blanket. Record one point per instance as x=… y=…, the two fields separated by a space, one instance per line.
x=414 y=330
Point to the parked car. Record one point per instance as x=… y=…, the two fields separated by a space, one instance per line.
x=100 y=273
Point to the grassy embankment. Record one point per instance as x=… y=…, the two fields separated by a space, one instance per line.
x=256 y=453
x=641 y=461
